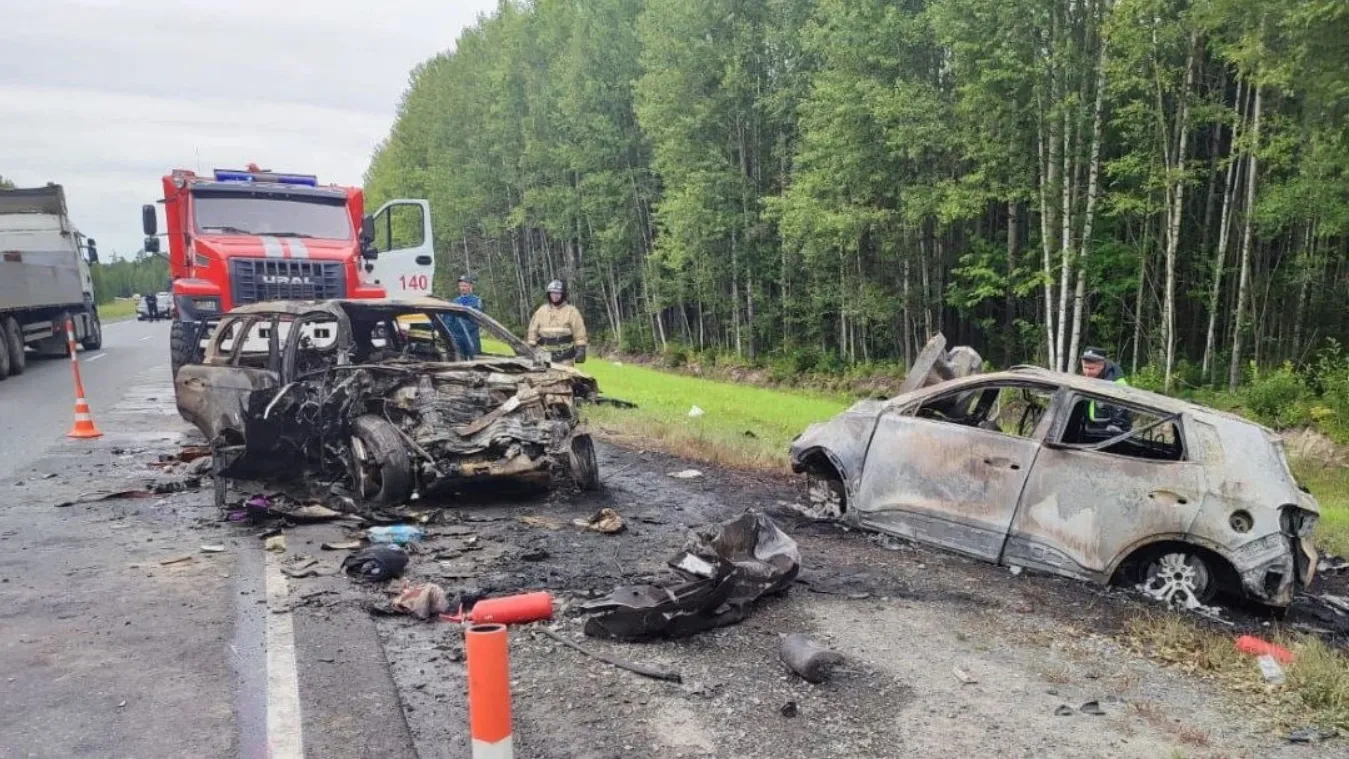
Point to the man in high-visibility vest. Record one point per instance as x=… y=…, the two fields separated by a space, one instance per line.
x=1101 y=418
x=558 y=328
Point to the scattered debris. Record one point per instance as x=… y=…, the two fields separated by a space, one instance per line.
x=1064 y=710
x=1338 y=603
x=789 y=710
x=312 y=512
x=535 y=554
x=200 y=467
x=686 y=474
x=507 y=610
x=1332 y=564
x=1270 y=669
x=212 y=549
x=1253 y=646
x=401 y=534
x=422 y=601
x=696 y=412
x=301 y=567
x=1093 y=708
x=722 y=571
x=964 y=677
x=345 y=545
x=1015 y=570
x=376 y=563
x=644 y=670
x=808 y=659
x=1309 y=734
x=175 y=560
x=544 y=522
x=274 y=543
x=605 y=520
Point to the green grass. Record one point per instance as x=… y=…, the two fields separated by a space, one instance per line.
x=118 y=310
x=742 y=426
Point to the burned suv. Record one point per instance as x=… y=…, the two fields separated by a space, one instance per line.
x=376 y=396
x=1178 y=499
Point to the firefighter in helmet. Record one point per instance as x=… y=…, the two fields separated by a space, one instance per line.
x=557 y=327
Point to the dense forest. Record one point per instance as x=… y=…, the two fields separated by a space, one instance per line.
x=840 y=178
x=122 y=278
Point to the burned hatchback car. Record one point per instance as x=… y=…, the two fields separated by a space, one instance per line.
x=375 y=396
x=1181 y=500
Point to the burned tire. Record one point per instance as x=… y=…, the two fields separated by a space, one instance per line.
x=381 y=471
x=183 y=349
x=585 y=468
x=13 y=337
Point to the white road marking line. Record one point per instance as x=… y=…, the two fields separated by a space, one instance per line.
x=284 y=734
x=147 y=337
x=96 y=357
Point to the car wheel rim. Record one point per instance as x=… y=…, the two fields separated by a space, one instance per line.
x=1179 y=579
x=826 y=502
x=365 y=470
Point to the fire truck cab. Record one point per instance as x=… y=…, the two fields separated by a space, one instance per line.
x=244 y=236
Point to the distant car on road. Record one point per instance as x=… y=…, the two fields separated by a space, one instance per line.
x=1006 y=467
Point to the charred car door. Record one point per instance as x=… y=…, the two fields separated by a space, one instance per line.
x=949 y=470
x=238 y=374
x=1092 y=496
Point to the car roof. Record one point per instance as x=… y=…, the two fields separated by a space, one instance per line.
x=1126 y=394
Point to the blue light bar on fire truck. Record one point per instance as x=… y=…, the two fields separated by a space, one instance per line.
x=236 y=175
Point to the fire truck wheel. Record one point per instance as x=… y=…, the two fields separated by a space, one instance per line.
x=182 y=350
x=13 y=338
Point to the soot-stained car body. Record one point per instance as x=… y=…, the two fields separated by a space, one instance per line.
x=1007 y=467
x=375 y=395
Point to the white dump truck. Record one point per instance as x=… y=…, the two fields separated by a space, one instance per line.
x=44 y=278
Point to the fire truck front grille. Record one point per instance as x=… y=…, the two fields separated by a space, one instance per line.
x=259 y=279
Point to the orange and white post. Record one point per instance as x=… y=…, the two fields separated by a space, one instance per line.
x=489 y=691
x=84 y=421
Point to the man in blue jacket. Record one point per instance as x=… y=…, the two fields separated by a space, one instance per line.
x=465 y=331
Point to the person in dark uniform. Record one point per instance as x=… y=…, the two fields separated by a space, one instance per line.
x=1103 y=420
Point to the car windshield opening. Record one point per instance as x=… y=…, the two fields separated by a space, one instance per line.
x=232 y=213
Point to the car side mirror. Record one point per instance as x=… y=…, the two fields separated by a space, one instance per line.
x=152 y=245
x=92 y=248
x=149 y=222
x=368 y=251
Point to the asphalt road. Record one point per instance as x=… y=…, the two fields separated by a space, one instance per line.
x=119 y=636
x=37 y=407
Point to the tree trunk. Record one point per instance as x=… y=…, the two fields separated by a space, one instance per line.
x=1177 y=206
x=1093 y=174
x=1244 y=278
x=1009 y=298
x=1065 y=250
x=1224 y=228
x=1049 y=177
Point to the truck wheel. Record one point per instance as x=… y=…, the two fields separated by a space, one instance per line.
x=4 y=359
x=182 y=349
x=381 y=471
x=93 y=340
x=13 y=337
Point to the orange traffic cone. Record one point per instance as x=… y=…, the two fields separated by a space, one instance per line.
x=84 y=421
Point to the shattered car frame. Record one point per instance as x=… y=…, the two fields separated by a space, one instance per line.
x=375 y=395
x=1007 y=467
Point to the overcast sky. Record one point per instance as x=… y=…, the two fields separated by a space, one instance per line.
x=105 y=96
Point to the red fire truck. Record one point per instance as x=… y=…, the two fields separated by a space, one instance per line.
x=243 y=236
